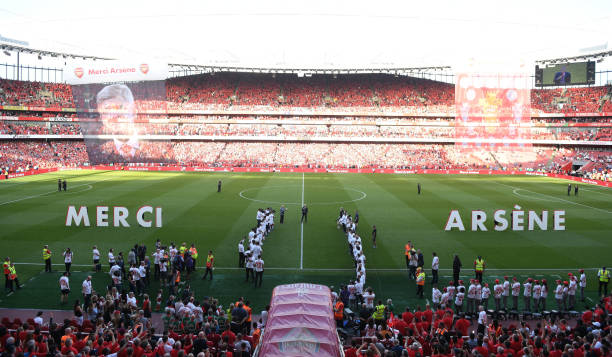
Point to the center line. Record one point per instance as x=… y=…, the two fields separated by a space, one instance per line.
x=302 y=230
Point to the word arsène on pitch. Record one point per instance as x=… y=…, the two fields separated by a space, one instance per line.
x=120 y=215
x=517 y=220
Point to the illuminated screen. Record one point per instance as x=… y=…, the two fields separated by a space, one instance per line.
x=492 y=110
x=565 y=74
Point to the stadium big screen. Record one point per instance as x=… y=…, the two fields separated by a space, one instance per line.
x=113 y=102
x=566 y=74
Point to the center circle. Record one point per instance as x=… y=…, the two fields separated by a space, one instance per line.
x=292 y=195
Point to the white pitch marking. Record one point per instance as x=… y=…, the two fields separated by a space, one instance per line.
x=554 y=198
x=50 y=192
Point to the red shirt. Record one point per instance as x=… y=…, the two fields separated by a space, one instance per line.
x=231 y=336
x=407 y=316
x=428 y=315
x=350 y=352
x=66 y=350
x=462 y=326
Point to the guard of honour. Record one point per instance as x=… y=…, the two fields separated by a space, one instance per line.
x=168 y=263
x=477 y=293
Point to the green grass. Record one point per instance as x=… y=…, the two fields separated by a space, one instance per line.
x=32 y=213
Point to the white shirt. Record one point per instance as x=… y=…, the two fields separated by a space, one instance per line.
x=516 y=289
x=506 y=288
x=142 y=271
x=256 y=250
x=471 y=291
x=86 y=287
x=259 y=265
x=135 y=274
x=478 y=294
x=536 y=291
x=369 y=299
x=64 y=283
x=359 y=288
x=436 y=295
x=67 y=257
x=249 y=262
x=435 y=263
x=583 y=280
x=38 y=320
x=156 y=257
x=96 y=254
x=111 y=257
x=240 y=248
x=444 y=299
x=451 y=291
x=113 y=270
x=559 y=292
x=486 y=292
x=498 y=289
x=573 y=285
x=482 y=318
x=527 y=289
x=131 y=301
x=459 y=299
x=544 y=292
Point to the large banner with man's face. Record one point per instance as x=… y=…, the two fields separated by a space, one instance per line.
x=113 y=101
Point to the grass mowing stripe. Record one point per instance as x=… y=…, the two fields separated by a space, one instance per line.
x=302 y=230
x=554 y=198
x=50 y=192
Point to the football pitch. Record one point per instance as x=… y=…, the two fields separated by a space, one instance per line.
x=33 y=213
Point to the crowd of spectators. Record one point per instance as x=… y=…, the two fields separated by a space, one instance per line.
x=18 y=156
x=284 y=90
x=21 y=154
x=36 y=94
x=302 y=129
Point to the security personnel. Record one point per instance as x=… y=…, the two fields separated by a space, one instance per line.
x=379 y=313
x=479 y=266
x=604 y=276
x=6 y=265
x=64 y=185
x=46 y=254
x=210 y=260
x=182 y=249
x=13 y=277
x=339 y=312
x=408 y=249
x=194 y=254
x=420 y=281
x=59 y=185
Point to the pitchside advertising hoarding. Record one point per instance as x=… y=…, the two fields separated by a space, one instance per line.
x=111 y=98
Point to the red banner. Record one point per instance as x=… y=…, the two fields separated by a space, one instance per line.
x=492 y=106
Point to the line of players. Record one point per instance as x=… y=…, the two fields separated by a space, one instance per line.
x=252 y=259
x=355 y=247
x=535 y=294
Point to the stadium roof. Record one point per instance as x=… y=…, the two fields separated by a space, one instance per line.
x=313 y=34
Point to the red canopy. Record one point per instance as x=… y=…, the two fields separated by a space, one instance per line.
x=300 y=323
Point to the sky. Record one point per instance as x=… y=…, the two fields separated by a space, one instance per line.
x=313 y=34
